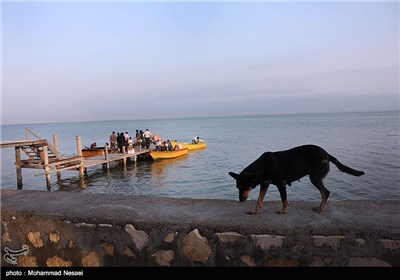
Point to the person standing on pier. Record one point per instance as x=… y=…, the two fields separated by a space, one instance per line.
x=138 y=138
x=121 y=141
x=130 y=145
x=126 y=135
x=147 y=137
x=113 y=142
x=142 y=142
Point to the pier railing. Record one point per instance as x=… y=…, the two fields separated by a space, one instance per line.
x=53 y=149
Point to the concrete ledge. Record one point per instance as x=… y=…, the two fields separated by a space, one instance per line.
x=76 y=229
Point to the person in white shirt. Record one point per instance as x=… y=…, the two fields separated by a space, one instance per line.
x=126 y=136
x=147 y=138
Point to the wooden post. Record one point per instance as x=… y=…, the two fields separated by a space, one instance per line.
x=124 y=158
x=106 y=156
x=79 y=152
x=55 y=144
x=82 y=183
x=46 y=167
x=18 y=167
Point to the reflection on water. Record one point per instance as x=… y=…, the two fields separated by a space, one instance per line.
x=125 y=178
x=160 y=169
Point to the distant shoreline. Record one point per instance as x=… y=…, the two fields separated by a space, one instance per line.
x=216 y=117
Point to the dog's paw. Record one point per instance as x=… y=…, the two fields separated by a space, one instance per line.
x=251 y=212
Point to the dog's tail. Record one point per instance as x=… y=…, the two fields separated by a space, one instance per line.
x=345 y=168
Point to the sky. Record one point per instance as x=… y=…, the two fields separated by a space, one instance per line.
x=68 y=62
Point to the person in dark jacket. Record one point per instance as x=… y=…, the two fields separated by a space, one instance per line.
x=121 y=141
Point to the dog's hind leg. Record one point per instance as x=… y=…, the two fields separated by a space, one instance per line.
x=260 y=200
x=317 y=173
x=324 y=196
x=282 y=192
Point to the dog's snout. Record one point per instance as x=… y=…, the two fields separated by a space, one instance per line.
x=243 y=196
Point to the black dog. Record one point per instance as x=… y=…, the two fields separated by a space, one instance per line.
x=284 y=167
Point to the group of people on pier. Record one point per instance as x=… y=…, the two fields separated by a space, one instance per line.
x=140 y=140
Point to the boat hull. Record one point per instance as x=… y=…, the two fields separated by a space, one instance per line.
x=190 y=146
x=168 y=154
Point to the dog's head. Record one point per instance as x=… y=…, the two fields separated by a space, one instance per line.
x=245 y=182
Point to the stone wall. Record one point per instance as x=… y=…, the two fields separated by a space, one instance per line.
x=60 y=238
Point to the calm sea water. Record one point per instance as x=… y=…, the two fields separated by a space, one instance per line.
x=364 y=141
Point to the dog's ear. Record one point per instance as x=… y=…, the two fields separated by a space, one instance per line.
x=234 y=175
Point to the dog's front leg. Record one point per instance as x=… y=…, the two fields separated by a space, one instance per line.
x=282 y=192
x=260 y=200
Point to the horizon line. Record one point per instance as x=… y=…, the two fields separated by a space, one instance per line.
x=208 y=117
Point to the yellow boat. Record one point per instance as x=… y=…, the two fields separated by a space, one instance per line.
x=168 y=154
x=190 y=146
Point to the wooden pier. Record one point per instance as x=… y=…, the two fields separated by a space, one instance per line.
x=40 y=154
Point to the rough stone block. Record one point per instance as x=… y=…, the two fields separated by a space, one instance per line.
x=170 y=237
x=297 y=249
x=108 y=248
x=227 y=237
x=330 y=241
x=360 y=242
x=390 y=244
x=163 y=257
x=91 y=260
x=6 y=236
x=56 y=261
x=70 y=244
x=266 y=241
x=196 y=247
x=128 y=252
x=54 y=237
x=139 y=237
x=249 y=261
x=367 y=262
x=35 y=239
x=27 y=261
x=82 y=225
x=105 y=225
